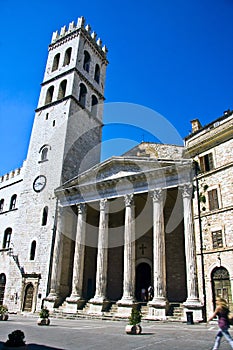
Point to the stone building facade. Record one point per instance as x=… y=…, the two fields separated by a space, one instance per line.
x=65 y=140
x=80 y=236
x=211 y=147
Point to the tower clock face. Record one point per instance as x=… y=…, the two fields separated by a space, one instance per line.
x=39 y=183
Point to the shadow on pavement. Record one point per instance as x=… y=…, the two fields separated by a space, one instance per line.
x=32 y=347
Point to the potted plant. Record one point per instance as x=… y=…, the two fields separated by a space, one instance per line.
x=43 y=317
x=3 y=313
x=134 y=321
x=15 y=341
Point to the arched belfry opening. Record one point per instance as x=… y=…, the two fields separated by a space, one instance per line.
x=143 y=279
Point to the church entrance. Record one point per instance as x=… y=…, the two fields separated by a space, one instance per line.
x=221 y=286
x=143 y=281
x=28 y=298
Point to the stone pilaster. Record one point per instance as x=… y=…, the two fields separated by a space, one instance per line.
x=99 y=300
x=157 y=307
x=128 y=297
x=192 y=302
x=75 y=300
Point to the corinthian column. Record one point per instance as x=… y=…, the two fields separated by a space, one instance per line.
x=190 y=251
x=102 y=255
x=159 y=258
x=57 y=258
x=129 y=253
x=78 y=267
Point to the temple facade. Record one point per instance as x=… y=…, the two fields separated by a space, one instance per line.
x=80 y=236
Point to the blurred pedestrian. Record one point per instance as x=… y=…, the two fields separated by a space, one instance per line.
x=222 y=311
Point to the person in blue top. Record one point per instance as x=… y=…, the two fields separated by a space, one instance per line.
x=222 y=311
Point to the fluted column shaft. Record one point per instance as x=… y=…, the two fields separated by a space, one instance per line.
x=78 y=267
x=129 y=251
x=190 y=253
x=57 y=256
x=159 y=257
x=102 y=255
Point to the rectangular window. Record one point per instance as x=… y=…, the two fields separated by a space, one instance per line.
x=213 y=199
x=217 y=239
x=206 y=162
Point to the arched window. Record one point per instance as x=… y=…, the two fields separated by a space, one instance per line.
x=33 y=250
x=7 y=238
x=62 y=89
x=87 y=61
x=13 y=202
x=94 y=104
x=97 y=73
x=2 y=287
x=82 y=94
x=44 y=216
x=56 y=62
x=67 y=56
x=49 y=95
x=44 y=154
x=1 y=205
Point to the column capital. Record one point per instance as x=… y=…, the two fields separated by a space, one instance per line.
x=186 y=190
x=81 y=208
x=157 y=194
x=129 y=199
x=103 y=204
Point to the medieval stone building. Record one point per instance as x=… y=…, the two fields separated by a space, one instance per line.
x=80 y=236
x=211 y=147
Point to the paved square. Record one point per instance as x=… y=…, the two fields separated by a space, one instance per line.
x=95 y=334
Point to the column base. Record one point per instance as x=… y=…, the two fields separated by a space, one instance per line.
x=157 y=309
x=73 y=304
x=194 y=306
x=98 y=305
x=124 y=307
x=52 y=301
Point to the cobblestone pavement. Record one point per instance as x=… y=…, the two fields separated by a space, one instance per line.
x=83 y=334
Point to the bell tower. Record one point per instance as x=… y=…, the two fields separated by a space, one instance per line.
x=65 y=138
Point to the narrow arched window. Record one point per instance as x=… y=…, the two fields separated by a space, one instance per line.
x=2 y=287
x=44 y=154
x=33 y=250
x=94 y=104
x=1 y=205
x=67 y=56
x=13 y=202
x=62 y=89
x=44 y=216
x=7 y=238
x=97 y=73
x=86 y=61
x=49 y=95
x=56 y=62
x=82 y=94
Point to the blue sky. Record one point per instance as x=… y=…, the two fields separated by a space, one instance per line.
x=174 y=57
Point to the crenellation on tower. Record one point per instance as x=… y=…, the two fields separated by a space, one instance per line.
x=88 y=28
x=71 y=26
x=72 y=29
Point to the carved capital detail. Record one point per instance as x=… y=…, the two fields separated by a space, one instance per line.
x=187 y=190
x=129 y=199
x=103 y=204
x=157 y=194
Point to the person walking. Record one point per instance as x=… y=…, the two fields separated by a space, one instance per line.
x=222 y=311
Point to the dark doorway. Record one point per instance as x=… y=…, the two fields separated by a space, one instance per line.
x=27 y=305
x=143 y=279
